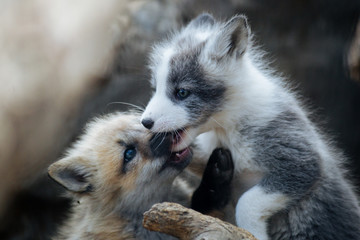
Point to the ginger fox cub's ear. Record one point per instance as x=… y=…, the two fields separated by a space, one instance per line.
x=232 y=40
x=72 y=173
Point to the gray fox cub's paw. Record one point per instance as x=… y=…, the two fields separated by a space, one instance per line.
x=214 y=190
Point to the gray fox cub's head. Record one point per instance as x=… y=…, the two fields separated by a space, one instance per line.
x=193 y=74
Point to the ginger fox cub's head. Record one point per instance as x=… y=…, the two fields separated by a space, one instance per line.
x=194 y=74
x=119 y=164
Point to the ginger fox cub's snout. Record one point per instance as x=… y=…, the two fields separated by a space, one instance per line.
x=117 y=170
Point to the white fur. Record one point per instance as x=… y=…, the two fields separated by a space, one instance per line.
x=162 y=71
x=203 y=35
x=255 y=207
x=159 y=102
x=250 y=94
x=207 y=142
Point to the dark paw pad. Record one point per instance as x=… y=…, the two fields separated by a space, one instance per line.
x=219 y=169
x=215 y=187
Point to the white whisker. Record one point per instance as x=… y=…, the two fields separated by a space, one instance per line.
x=129 y=104
x=212 y=118
x=161 y=141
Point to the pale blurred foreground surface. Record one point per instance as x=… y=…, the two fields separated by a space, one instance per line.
x=63 y=61
x=48 y=63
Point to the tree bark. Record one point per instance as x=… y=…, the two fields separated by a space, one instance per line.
x=187 y=224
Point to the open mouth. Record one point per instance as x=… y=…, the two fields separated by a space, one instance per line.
x=179 y=159
x=163 y=144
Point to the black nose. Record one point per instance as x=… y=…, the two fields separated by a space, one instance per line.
x=148 y=123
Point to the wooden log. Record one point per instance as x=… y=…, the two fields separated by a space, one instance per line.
x=187 y=224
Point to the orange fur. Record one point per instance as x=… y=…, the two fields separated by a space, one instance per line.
x=98 y=155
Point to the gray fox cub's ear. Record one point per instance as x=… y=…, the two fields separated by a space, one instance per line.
x=232 y=39
x=204 y=19
x=71 y=173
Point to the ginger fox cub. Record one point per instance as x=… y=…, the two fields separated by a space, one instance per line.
x=117 y=170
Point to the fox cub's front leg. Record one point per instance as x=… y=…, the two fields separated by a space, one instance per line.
x=214 y=191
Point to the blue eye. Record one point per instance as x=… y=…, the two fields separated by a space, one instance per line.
x=129 y=154
x=182 y=93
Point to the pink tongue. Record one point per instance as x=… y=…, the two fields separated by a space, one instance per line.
x=182 y=153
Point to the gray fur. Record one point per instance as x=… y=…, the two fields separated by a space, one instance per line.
x=205 y=98
x=323 y=204
x=264 y=125
x=283 y=147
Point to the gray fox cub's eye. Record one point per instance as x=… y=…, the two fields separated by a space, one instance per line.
x=129 y=154
x=182 y=93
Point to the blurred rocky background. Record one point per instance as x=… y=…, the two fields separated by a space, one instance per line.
x=63 y=62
